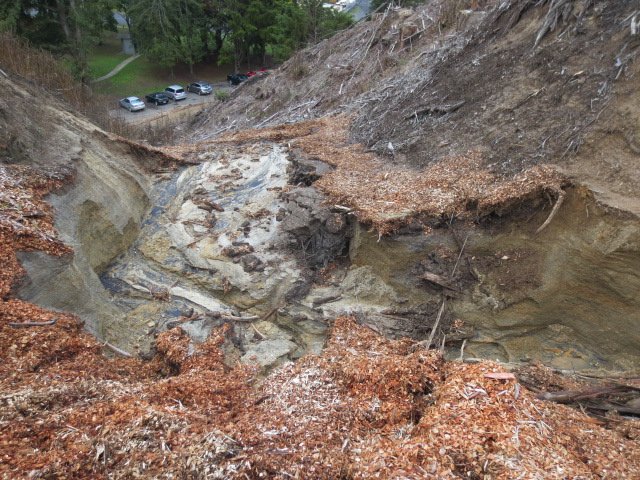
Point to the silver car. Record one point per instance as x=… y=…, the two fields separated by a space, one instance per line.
x=132 y=104
x=175 y=92
x=200 y=87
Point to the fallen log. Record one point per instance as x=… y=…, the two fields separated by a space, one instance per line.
x=32 y=324
x=615 y=408
x=323 y=300
x=571 y=396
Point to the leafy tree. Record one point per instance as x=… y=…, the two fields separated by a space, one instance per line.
x=323 y=22
x=9 y=14
x=66 y=26
x=169 y=31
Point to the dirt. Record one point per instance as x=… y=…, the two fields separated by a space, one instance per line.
x=471 y=81
x=284 y=284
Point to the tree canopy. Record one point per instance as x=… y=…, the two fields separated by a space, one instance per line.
x=64 y=26
x=176 y=31
x=229 y=30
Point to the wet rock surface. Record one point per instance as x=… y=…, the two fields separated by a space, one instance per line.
x=235 y=240
x=230 y=236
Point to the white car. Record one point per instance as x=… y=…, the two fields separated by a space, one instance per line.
x=175 y=92
x=132 y=104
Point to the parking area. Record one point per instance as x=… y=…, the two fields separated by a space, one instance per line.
x=193 y=102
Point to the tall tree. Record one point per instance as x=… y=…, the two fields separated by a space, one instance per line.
x=169 y=31
x=65 y=26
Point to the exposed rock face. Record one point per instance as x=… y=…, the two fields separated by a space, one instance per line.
x=98 y=214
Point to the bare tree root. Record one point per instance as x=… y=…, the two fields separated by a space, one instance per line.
x=553 y=213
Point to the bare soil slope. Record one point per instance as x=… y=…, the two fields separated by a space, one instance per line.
x=522 y=83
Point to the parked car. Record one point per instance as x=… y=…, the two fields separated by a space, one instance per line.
x=132 y=104
x=199 y=87
x=175 y=92
x=157 y=98
x=236 y=78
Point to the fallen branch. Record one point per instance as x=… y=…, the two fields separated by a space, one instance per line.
x=557 y=11
x=232 y=318
x=117 y=350
x=438 y=110
x=268 y=315
x=461 y=357
x=32 y=324
x=225 y=128
x=570 y=396
x=267 y=120
x=453 y=272
x=553 y=213
x=429 y=341
x=260 y=334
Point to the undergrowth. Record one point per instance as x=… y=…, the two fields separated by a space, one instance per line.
x=42 y=69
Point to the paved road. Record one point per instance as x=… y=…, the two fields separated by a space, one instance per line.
x=191 y=104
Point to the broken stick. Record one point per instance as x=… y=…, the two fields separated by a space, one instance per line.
x=117 y=350
x=32 y=324
x=427 y=343
x=554 y=211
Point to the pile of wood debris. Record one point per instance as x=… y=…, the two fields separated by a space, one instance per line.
x=366 y=408
x=386 y=195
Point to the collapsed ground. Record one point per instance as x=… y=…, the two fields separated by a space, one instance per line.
x=365 y=406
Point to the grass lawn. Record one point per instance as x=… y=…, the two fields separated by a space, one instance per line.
x=138 y=78
x=106 y=57
x=101 y=64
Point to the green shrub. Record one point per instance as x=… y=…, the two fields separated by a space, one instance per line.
x=222 y=95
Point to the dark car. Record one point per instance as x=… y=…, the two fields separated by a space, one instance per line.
x=201 y=88
x=157 y=98
x=236 y=78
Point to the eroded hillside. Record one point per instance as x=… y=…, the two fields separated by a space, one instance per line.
x=310 y=285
